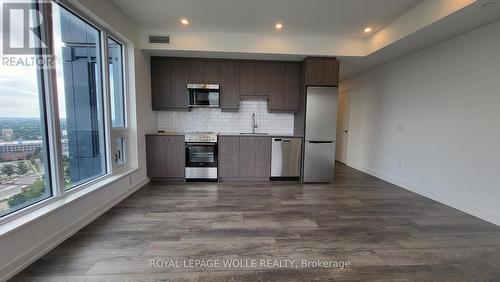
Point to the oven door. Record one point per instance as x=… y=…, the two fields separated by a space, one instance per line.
x=199 y=97
x=201 y=154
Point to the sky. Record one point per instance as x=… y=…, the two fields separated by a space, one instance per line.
x=18 y=84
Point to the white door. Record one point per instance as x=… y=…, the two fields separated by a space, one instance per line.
x=343 y=126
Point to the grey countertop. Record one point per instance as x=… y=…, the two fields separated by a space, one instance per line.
x=168 y=133
x=173 y=133
x=265 y=135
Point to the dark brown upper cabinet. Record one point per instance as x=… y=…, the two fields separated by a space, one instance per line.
x=279 y=82
x=263 y=79
x=292 y=87
x=200 y=71
x=161 y=83
x=277 y=87
x=179 y=92
x=321 y=71
x=212 y=72
x=168 y=84
x=196 y=72
x=229 y=86
x=285 y=88
x=247 y=79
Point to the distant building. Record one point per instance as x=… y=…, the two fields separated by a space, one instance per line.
x=8 y=134
x=20 y=150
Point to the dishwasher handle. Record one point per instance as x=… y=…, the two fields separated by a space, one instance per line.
x=282 y=140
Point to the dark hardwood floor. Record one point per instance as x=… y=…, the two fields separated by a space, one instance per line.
x=383 y=231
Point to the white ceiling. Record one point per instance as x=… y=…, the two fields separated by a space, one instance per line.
x=245 y=28
x=474 y=16
x=299 y=17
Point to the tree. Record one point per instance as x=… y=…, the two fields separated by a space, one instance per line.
x=32 y=193
x=21 y=168
x=8 y=170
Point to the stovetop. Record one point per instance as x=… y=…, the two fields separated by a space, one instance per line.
x=208 y=137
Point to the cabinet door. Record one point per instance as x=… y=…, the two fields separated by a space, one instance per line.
x=175 y=157
x=263 y=72
x=229 y=156
x=331 y=72
x=277 y=88
x=292 y=88
x=255 y=157
x=196 y=72
x=247 y=156
x=179 y=84
x=230 y=85
x=211 y=72
x=262 y=147
x=247 y=79
x=160 y=83
x=313 y=72
x=155 y=156
x=321 y=71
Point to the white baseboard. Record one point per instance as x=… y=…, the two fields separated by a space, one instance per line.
x=454 y=203
x=47 y=245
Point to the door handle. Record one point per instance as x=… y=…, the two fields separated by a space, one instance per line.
x=320 y=142
x=345 y=131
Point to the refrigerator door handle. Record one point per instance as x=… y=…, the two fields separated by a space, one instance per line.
x=320 y=142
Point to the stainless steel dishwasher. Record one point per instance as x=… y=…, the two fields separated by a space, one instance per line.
x=286 y=157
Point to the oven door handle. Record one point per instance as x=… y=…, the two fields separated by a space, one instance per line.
x=201 y=144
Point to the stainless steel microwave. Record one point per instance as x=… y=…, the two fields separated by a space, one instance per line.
x=203 y=95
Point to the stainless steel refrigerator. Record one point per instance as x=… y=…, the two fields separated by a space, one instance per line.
x=320 y=133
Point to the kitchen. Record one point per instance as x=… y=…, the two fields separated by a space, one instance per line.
x=263 y=140
x=243 y=120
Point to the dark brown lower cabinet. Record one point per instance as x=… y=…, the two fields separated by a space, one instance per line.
x=229 y=156
x=165 y=157
x=244 y=157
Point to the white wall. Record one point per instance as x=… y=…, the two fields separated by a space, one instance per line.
x=447 y=98
x=206 y=119
x=23 y=245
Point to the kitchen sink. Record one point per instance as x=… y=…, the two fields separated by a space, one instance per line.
x=256 y=133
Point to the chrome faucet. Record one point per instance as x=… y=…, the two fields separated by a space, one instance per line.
x=254 y=124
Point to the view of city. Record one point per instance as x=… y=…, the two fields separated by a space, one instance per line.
x=24 y=160
x=21 y=161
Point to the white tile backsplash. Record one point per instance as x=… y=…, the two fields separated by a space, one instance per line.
x=206 y=119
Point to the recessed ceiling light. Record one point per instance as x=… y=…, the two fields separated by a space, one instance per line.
x=278 y=26
x=184 y=21
x=368 y=29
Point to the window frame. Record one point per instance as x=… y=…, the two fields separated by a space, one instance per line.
x=51 y=118
x=119 y=132
x=124 y=85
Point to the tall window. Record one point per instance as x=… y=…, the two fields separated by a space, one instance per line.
x=54 y=134
x=79 y=85
x=115 y=64
x=24 y=167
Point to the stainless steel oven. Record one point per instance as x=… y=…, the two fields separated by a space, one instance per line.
x=203 y=95
x=201 y=156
